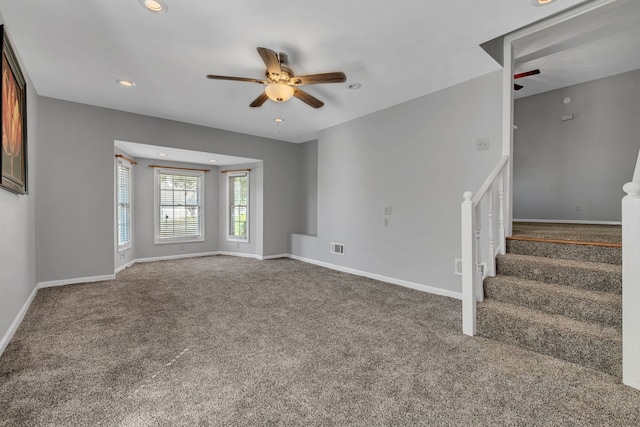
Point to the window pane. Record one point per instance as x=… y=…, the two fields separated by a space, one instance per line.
x=123 y=195
x=179 y=207
x=238 y=206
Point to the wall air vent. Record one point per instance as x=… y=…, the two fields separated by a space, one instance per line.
x=337 y=248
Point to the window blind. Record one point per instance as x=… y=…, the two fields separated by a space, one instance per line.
x=180 y=208
x=123 y=196
x=238 y=199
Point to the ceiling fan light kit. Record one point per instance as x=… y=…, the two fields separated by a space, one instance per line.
x=279 y=92
x=281 y=83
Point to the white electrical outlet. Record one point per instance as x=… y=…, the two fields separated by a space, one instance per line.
x=482 y=144
x=457 y=266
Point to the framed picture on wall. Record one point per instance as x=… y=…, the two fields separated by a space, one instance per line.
x=13 y=109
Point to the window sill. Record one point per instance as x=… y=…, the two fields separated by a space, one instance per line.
x=174 y=241
x=231 y=239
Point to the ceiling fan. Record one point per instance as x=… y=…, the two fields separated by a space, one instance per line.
x=281 y=83
x=521 y=75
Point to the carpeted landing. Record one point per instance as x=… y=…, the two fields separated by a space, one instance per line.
x=234 y=341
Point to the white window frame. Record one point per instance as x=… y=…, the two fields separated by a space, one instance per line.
x=232 y=238
x=156 y=182
x=128 y=244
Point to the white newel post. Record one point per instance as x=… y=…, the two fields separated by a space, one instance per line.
x=631 y=283
x=468 y=267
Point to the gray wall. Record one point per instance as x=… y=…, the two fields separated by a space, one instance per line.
x=574 y=170
x=418 y=158
x=309 y=181
x=76 y=236
x=18 y=226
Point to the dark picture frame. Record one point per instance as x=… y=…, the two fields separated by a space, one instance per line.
x=13 y=113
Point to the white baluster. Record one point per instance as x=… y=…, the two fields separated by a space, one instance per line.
x=478 y=276
x=503 y=242
x=492 y=254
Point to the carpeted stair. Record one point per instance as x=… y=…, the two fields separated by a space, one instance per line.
x=560 y=299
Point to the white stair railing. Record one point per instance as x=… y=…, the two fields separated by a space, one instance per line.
x=476 y=263
x=631 y=280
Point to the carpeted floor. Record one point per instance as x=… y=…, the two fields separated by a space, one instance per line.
x=234 y=341
x=608 y=234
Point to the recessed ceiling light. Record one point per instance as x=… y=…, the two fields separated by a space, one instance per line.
x=213 y=160
x=354 y=86
x=126 y=83
x=541 y=2
x=155 y=6
x=162 y=154
x=278 y=120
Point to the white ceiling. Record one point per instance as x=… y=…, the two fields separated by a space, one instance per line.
x=146 y=151
x=593 y=46
x=76 y=49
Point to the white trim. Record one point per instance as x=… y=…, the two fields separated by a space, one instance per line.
x=170 y=257
x=569 y=221
x=404 y=283
x=4 y=342
x=157 y=240
x=64 y=282
x=240 y=254
x=268 y=257
x=128 y=244
x=507 y=132
x=122 y=267
x=227 y=178
x=563 y=17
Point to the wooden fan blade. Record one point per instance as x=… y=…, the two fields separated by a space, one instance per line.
x=526 y=74
x=236 y=79
x=337 y=77
x=307 y=99
x=270 y=59
x=517 y=86
x=259 y=100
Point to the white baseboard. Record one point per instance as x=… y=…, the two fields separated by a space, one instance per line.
x=64 y=282
x=170 y=257
x=570 y=221
x=634 y=384
x=394 y=281
x=123 y=267
x=274 y=256
x=4 y=342
x=240 y=254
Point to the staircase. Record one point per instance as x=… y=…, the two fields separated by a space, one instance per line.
x=559 y=298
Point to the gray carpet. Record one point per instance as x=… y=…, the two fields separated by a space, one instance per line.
x=559 y=299
x=233 y=341
x=598 y=233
